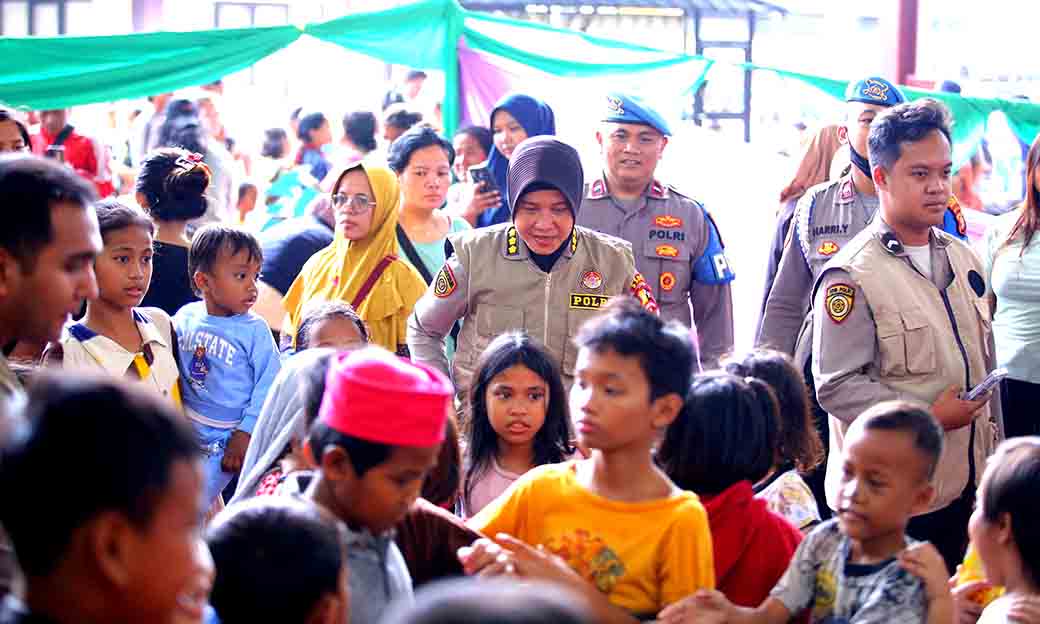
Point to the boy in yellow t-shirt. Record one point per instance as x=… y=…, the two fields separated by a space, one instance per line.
x=614 y=518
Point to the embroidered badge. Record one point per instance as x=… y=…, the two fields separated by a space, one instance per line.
x=199 y=368
x=444 y=284
x=667 y=251
x=591 y=280
x=667 y=221
x=840 y=298
x=875 y=90
x=512 y=242
x=615 y=106
x=641 y=291
x=828 y=248
x=955 y=208
x=667 y=281
x=588 y=302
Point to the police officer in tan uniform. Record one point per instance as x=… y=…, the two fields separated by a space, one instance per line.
x=676 y=244
x=901 y=312
x=541 y=273
x=825 y=219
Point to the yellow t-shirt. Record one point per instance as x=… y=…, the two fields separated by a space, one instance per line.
x=643 y=556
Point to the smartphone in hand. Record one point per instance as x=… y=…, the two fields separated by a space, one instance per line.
x=986 y=384
x=482 y=177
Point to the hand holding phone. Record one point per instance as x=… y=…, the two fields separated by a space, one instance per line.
x=986 y=384
x=482 y=177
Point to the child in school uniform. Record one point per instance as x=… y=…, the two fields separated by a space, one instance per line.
x=116 y=336
x=379 y=432
x=227 y=355
x=635 y=540
x=860 y=566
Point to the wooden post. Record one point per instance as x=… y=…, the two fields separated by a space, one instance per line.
x=901 y=34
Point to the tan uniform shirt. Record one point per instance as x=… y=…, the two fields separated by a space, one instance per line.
x=883 y=331
x=492 y=283
x=679 y=250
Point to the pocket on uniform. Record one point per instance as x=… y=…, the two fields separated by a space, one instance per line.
x=920 y=343
x=670 y=260
x=891 y=344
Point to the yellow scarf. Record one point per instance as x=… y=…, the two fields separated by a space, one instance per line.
x=339 y=271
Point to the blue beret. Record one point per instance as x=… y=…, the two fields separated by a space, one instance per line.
x=874 y=91
x=623 y=108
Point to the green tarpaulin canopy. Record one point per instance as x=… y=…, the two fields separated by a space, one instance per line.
x=56 y=72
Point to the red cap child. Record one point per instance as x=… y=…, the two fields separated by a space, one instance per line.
x=374 y=395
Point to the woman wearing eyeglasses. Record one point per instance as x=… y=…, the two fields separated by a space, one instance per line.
x=361 y=266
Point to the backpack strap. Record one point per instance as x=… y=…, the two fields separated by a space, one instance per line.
x=371 y=281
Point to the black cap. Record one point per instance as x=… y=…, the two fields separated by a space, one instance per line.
x=545 y=161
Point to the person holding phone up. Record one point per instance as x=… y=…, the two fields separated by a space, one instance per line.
x=515 y=118
x=901 y=312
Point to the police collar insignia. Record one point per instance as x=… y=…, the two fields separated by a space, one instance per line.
x=847 y=193
x=512 y=242
x=615 y=106
x=574 y=241
x=444 y=284
x=658 y=190
x=591 y=280
x=598 y=189
x=891 y=243
x=840 y=298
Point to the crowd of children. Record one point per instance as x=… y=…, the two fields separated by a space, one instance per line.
x=359 y=491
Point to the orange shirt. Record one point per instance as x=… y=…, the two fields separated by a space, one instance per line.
x=643 y=556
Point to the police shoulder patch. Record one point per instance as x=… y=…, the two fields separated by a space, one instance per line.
x=840 y=298
x=444 y=284
x=641 y=291
x=954 y=207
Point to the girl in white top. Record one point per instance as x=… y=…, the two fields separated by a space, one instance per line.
x=1004 y=529
x=116 y=336
x=1011 y=255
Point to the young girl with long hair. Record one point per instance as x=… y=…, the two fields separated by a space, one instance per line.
x=518 y=418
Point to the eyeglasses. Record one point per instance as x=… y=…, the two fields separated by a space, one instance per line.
x=353 y=204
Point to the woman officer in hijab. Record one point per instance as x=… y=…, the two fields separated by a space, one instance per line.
x=539 y=273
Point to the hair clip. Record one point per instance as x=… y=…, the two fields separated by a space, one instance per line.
x=187 y=163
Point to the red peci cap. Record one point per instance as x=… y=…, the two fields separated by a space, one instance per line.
x=374 y=395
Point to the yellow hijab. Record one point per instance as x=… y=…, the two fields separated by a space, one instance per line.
x=339 y=271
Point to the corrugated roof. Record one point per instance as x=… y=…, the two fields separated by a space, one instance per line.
x=707 y=8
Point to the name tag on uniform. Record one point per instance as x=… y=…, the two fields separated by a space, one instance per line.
x=588 y=302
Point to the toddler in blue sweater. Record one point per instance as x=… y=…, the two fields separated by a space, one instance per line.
x=227 y=355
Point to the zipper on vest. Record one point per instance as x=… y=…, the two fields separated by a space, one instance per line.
x=967 y=383
x=957 y=334
x=548 y=285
